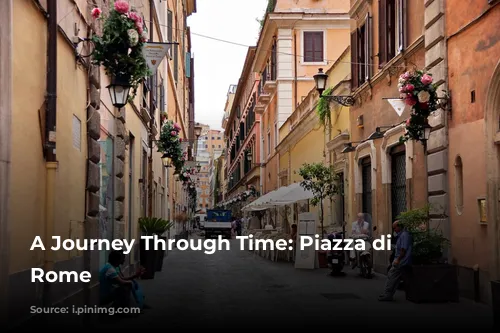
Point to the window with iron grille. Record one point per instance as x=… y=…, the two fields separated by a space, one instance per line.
x=398 y=181
x=366 y=172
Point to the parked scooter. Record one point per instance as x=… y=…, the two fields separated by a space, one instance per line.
x=336 y=258
x=365 y=261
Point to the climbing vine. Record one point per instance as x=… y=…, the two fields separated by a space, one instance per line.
x=323 y=108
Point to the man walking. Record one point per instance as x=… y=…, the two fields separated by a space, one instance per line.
x=400 y=264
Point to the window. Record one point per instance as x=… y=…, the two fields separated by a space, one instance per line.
x=213 y=138
x=459 y=185
x=361 y=49
x=219 y=146
x=276 y=134
x=392 y=29
x=176 y=62
x=313 y=46
x=218 y=138
x=268 y=143
x=169 y=25
x=213 y=146
x=398 y=181
x=77 y=133
x=366 y=172
x=206 y=146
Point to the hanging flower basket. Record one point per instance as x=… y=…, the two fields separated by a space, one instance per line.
x=119 y=49
x=419 y=93
x=170 y=145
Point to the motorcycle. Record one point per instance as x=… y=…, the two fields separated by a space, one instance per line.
x=362 y=229
x=336 y=258
x=365 y=261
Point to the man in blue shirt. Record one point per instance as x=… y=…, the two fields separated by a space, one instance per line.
x=115 y=288
x=402 y=261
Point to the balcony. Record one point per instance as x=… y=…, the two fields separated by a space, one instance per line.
x=259 y=109
x=269 y=87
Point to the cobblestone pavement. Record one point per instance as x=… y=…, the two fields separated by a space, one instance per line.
x=237 y=287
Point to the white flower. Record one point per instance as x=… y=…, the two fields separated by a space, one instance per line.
x=133 y=37
x=423 y=96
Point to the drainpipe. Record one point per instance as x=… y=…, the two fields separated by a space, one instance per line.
x=295 y=93
x=50 y=140
x=261 y=159
x=5 y=138
x=152 y=121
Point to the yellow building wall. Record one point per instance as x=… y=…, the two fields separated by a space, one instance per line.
x=27 y=205
x=341 y=6
x=309 y=149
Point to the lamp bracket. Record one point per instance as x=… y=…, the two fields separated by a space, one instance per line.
x=343 y=100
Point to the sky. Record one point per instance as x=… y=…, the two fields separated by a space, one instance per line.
x=217 y=64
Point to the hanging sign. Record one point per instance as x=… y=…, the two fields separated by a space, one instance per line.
x=154 y=54
x=398 y=105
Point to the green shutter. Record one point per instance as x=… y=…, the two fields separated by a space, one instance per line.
x=188 y=64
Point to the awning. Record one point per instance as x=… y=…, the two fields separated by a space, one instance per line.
x=296 y=193
x=285 y=195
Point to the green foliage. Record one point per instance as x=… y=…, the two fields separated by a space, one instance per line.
x=320 y=180
x=119 y=49
x=323 y=108
x=271 y=4
x=154 y=225
x=428 y=244
x=170 y=144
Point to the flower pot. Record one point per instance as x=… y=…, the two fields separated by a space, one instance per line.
x=148 y=259
x=432 y=284
x=160 y=255
x=495 y=302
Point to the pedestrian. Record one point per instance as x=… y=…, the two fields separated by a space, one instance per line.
x=401 y=263
x=238 y=227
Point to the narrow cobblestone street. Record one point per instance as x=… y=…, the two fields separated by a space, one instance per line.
x=239 y=288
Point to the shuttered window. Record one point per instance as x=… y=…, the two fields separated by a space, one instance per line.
x=313 y=46
x=392 y=29
x=176 y=62
x=361 y=53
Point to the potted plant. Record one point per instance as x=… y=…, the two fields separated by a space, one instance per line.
x=150 y=226
x=120 y=47
x=162 y=228
x=321 y=181
x=431 y=278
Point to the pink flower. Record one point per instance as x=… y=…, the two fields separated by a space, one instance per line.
x=180 y=139
x=406 y=76
x=134 y=16
x=173 y=133
x=426 y=79
x=176 y=126
x=96 y=13
x=408 y=122
x=409 y=87
x=121 y=6
x=139 y=28
x=410 y=101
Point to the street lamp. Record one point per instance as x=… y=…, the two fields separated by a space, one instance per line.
x=166 y=160
x=118 y=92
x=198 y=167
x=249 y=156
x=425 y=133
x=197 y=131
x=320 y=81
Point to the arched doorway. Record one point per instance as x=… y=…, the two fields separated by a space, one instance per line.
x=492 y=127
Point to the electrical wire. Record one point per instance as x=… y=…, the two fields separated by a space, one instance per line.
x=328 y=61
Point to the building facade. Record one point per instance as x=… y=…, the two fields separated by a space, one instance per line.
x=242 y=134
x=473 y=78
x=387 y=177
x=85 y=168
x=295 y=41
